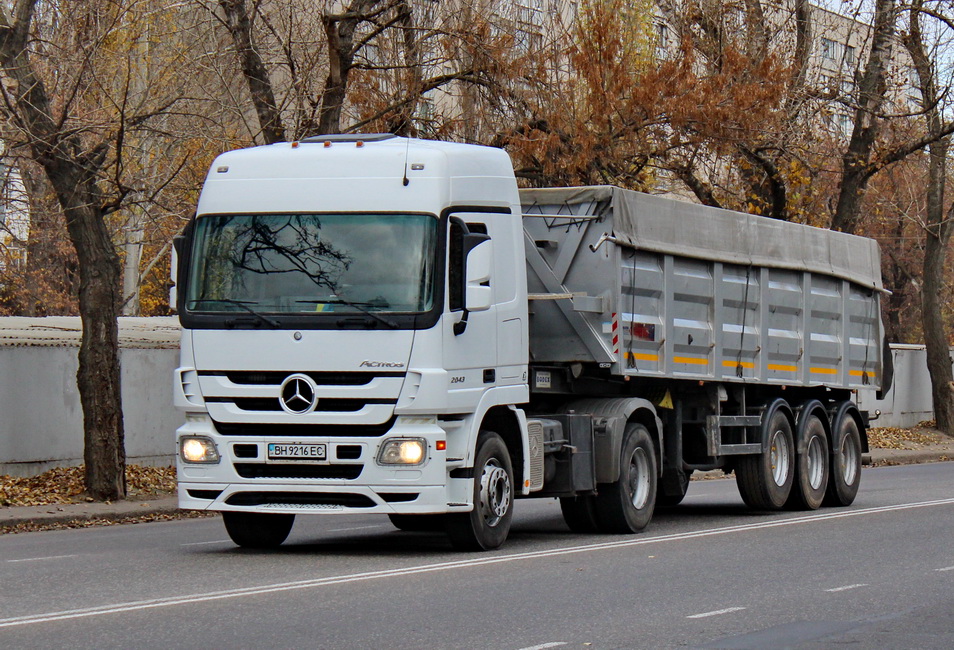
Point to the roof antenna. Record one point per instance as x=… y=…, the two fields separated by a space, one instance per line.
x=407 y=148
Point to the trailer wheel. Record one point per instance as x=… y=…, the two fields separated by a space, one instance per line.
x=626 y=506
x=844 y=475
x=487 y=525
x=256 y=529
x=418 y=523
x=765 y=480
x=579 y=513
x=811 y=475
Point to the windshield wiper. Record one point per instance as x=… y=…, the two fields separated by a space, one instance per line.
x=242 y=304
x=362 y=307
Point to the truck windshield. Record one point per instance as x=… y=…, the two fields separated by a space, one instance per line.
x=297 y=263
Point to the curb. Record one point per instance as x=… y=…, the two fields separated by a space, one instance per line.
x=60 y=515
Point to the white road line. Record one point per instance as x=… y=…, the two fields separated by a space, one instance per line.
x=845 y=588
x=718 y=612
x=40 y=559
x=947 y=568
x=543 y=646
x=341 y=530
x=214 y=541
x=448 y=566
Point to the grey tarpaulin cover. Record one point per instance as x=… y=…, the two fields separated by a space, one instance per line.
x=676 y=227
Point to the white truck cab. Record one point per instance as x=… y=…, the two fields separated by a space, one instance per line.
x=353 y=307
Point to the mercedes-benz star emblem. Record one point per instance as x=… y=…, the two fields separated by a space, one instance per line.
x=298 y=394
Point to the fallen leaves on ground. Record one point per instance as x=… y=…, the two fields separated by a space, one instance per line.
x=66 y=485
x=897 y=438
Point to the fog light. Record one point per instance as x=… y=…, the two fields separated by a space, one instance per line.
x=403 y=451
x=197 y=449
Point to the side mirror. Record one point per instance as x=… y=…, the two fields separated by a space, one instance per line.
x=478 y=295
x=178 y=265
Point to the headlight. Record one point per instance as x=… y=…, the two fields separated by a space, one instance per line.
x=403 y=451
x=198 y=449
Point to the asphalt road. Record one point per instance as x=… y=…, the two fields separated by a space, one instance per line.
x=708 y=574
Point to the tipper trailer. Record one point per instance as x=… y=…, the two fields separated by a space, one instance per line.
x=374 y=324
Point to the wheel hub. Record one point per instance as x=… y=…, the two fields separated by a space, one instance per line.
x=495 y=492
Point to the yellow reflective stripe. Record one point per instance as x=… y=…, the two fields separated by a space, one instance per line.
x=691 y=360
x=861 y=373
x=736 y=364
x=824 y=371
x=641 y=356
x=780 y=368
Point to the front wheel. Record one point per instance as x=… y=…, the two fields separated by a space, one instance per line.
x=256 y=529
x=487 y=525
x=626 y=506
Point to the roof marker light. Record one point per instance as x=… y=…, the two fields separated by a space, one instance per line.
x=295 y=144
x=359 y=144
x=327 y=143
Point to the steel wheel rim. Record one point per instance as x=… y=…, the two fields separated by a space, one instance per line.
x=639 y=478
x=849 y=453
x=495 y=492
x=816 y=462
x=780 y=457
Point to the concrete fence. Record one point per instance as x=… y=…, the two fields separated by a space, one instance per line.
x=41 y=421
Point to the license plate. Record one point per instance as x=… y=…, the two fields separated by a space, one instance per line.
x=281 y=451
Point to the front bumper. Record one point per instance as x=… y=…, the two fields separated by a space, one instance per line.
x=349 y=481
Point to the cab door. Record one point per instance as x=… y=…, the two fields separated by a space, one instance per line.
x=469 y=323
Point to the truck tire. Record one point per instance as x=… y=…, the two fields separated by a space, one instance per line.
x=487 y=525
x=811 y=473
x=765 y=480
x=626 y=506
x=579 y=513
x=417 y=523
x=844 y=475
x=256 y=529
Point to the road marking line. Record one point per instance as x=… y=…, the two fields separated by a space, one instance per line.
x=718 y=612
x=543 y=646
x=214 y=541
x=39 y=559
x=341 y=530
x=446 y=566
x=947 y=568
x=845 y=588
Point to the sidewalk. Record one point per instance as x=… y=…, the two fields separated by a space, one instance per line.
x=24 y=518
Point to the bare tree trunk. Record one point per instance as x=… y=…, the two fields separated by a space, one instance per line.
x=938 y=233
x=856 y=162
x=72 y=174
x=253 y=69
x=340 y=32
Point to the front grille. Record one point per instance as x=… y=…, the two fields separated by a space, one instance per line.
x=305 y=430
x=299 y=498
x=325 y=405
x=256 y=378
x=269 y=470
